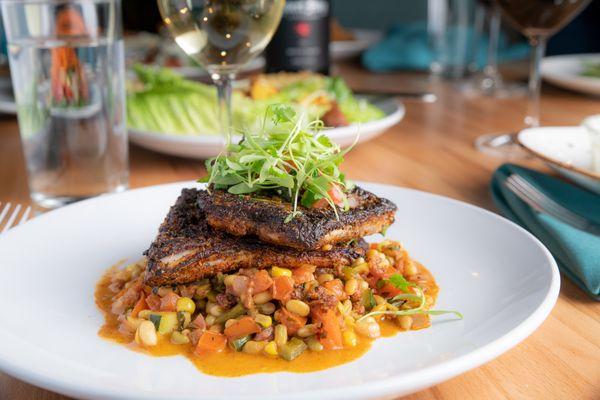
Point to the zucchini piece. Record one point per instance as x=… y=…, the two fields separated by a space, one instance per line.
x=369 y=300
x=168 y=322
x=183 y=319
x=155 y=319
x=292 y=349
x=234 y=312
x=238 y=344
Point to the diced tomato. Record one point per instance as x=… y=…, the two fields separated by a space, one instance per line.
x=331 y=333
x=153 y=302
x=303 y=274
x=336 y=288
x=336 y=194
x=169 y=302
x=291 y=321
x=242 y=327
x=139 y=306
x=211 y=342
x=282 y=288
x=262 y=281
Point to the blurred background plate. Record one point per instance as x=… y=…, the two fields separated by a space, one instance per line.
x=566 y=149
x=566 y=71
x=362 y=40
x=206 y=146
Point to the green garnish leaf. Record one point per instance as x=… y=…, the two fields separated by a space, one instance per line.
x=287 y=156
x=155 y=319
x=399 y=282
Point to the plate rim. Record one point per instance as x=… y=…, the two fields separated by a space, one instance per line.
x=554 y=161
x=570 y=81
x=136 y=135
x=389 y=386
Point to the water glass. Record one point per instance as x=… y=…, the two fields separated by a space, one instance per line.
x=67 y=67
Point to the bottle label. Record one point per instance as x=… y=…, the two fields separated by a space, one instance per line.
x=302 y=39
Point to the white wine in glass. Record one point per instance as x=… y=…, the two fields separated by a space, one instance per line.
x=222 y=36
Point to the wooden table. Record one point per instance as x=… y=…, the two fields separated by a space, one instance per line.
x=431 y=150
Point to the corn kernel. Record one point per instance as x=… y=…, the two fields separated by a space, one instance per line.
x=351 y=286
x=186 y=304
x=349 y=338
x=276 y=271
x=271 y=348
x=327 y=247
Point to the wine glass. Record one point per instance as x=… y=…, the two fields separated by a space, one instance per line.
x=488 y=81
x=222 y=36
x=537 y=20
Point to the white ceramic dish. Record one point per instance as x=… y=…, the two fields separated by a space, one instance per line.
x=564 y=71
x=566 y=149
x=206 y=146
x=500 y=277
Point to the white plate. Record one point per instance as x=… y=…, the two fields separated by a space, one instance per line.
x=564 y=71
x=566 y=149
x=206 y=146
x=500 y=277
x=345 y=49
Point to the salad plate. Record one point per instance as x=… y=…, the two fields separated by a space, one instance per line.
x=577 y=72
x=566 y=149
x=501 y=278
x=206 y=146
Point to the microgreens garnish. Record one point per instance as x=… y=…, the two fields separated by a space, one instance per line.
x=413 y=293
x=287 y=156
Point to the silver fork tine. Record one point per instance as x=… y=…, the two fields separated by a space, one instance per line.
x=12 y=218
x=542 y=203
x=25 y=216
x=4 y=212
x=548 y=203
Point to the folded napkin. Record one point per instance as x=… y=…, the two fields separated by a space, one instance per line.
x=407 y=46
x=577 y=252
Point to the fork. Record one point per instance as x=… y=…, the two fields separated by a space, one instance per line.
x=544 y=204
x=9 y=219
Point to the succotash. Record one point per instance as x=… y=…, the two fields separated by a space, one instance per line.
x=278 y=312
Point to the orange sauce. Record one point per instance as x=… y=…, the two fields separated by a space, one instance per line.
x=230 y=363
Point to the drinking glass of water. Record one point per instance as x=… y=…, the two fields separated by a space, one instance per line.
x=66 y=63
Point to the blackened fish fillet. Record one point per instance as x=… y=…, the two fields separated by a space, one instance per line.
x=311 y=230
x=188 y=249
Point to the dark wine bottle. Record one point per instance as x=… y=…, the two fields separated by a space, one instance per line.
x=301 y=42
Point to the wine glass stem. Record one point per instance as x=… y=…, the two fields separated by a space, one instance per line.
x=223 y=83
x=538 y=44
x=491 y=70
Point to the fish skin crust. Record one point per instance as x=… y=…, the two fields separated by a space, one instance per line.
x=187 y=249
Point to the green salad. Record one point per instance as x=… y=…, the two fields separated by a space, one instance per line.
x=591 y=69
x=162 y=101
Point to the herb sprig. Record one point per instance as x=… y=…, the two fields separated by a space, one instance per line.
x=286 y=155
x=412 y=292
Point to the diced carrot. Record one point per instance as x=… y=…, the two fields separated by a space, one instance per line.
x=336 y=288
x=262 y=281
x=331 y=333
x=291 y=321
x=303 y=274
x=139 y=306
x=169 y=302
x=210 y=342
x=243 y=327
x=153 y=302
x=283 y=287
x=389 y=290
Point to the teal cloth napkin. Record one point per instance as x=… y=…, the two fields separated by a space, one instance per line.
x=406 y=46
x=577 y=252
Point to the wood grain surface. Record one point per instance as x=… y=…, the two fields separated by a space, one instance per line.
x=431 y=150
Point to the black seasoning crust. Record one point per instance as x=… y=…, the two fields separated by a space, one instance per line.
x=188 y=249
x=311 y=230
